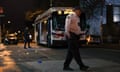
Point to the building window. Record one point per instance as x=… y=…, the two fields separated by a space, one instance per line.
x=116 y=14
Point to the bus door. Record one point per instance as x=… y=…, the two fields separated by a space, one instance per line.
x=43 y=32
x=49 y=34
x=39 y=32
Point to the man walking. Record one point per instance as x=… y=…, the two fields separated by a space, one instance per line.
x=72 y=33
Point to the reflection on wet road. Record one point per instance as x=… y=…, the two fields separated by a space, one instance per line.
x=7 y=64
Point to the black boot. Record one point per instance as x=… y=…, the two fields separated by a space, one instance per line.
x=84 y=68
x=68 y=69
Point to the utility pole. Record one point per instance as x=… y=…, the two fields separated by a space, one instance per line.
x=0 y=32
x=102 y=7
x=1 y=15
x=51 y=3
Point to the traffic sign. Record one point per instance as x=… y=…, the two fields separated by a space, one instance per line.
x=1 y=10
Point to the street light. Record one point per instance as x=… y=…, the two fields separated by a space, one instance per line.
x=9 y=22
x=19 y=31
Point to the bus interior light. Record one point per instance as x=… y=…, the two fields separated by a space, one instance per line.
x=68 y=12
x=45 y=22
x=59 y=12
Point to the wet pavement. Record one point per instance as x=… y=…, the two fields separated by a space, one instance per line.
x=14 y=58
x=96 y=65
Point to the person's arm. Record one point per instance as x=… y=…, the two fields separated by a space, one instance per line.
x=83 y=32
x=67 y=26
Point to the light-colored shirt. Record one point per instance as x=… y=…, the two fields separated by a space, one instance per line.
x=71 y=24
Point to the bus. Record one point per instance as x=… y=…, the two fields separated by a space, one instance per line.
x=50 y=26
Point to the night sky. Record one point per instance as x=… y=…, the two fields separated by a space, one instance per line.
x=15 y=11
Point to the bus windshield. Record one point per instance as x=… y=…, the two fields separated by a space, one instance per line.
x=59 y=21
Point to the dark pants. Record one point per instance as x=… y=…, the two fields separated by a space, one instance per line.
x=26 y=42
x=73 y=50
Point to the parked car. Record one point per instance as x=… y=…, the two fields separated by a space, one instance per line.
x=11 y=39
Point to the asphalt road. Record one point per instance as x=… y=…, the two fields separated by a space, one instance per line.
x=16 y=54
x=19 y=54
x=102 y=53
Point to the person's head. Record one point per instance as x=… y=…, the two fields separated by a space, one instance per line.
x=77 y=10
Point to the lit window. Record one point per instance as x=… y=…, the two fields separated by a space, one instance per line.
x=116 y=14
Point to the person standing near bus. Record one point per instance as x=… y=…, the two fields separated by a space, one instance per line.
x=72 y=33
x=27 y=39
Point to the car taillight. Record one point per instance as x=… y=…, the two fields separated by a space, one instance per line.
x=58 y=35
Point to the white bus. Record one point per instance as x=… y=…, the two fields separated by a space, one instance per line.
x=50 y=26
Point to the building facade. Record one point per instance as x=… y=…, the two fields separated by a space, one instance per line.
x=103 y=17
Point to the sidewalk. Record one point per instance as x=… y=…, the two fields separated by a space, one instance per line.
x=97 y=65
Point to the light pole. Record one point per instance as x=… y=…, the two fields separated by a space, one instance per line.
x=51 y=3
x=0 y=32
x=1 y=15
x=102 y=7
